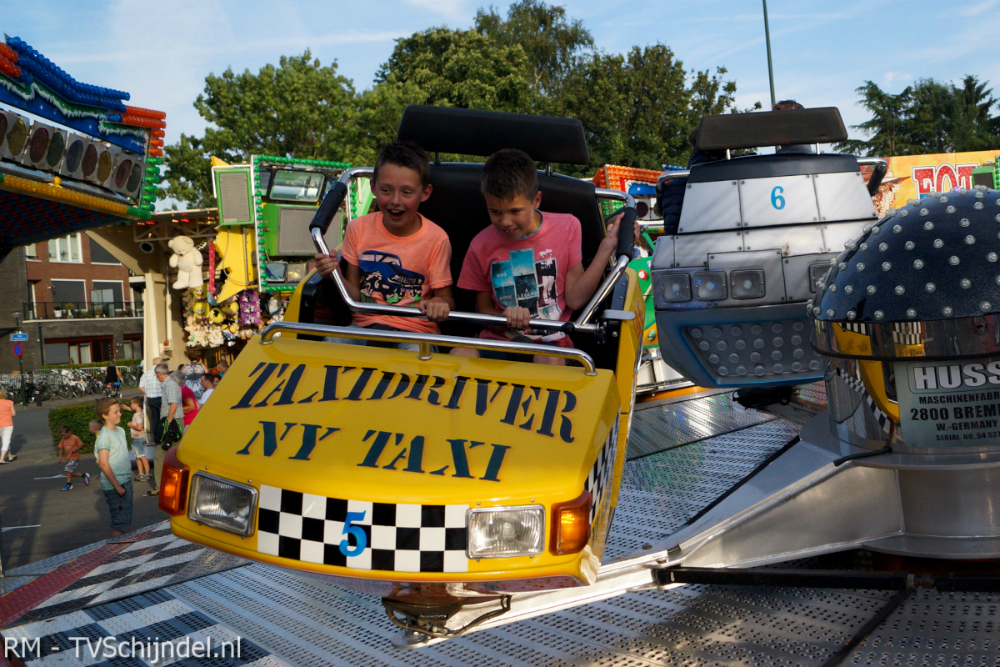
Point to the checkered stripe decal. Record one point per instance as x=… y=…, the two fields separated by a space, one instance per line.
x=856 y=327
x=600 y=475
x=859 y=387
x=907 y=333
x=399 y=538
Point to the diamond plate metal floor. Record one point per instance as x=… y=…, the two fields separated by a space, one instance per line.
x=297 y=621
x=659 y=426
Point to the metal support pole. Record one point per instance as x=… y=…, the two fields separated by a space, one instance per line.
x=770 y=69
x=24 y=395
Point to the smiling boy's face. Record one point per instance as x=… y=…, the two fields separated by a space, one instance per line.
x=515 y=218
x=399 y=193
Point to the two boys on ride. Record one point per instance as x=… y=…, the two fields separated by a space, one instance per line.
x=526 y=264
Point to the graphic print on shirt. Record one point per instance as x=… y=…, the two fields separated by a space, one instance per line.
x=521 y=281
x=382 y=272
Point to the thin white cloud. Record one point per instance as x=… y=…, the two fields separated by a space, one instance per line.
x=889 y=77
x=452 y=10
x=978 y=8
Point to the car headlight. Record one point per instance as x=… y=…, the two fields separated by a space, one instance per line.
x=747 y=284
x=675 y=287
x=222 y=503
x=505 y=532
x=710 y=285
x=817 y=273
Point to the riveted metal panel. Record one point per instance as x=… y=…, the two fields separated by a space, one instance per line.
x=710 y=206
x=798 y=240
x=787 y=200
x=694 y=249
x=843 y=196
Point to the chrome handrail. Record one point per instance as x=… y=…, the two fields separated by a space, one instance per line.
x=865 y=161
x=620 y=264
x=671 y=175
x=426 y=340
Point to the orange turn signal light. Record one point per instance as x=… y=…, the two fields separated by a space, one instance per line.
x=174 y=484
x=570 y=525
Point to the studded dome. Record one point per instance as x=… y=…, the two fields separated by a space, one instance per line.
x=934 y=259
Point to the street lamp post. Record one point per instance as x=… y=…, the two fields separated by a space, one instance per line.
x=767 y=37
x=20 y=359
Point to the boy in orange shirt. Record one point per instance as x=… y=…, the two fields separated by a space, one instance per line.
x=70 y=446
x=397 y=256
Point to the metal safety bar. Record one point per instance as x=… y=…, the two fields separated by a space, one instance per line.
x=322 y=219
x=620 y=264
x=425 y=341
x=671 y=175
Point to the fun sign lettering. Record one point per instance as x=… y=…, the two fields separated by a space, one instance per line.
x=541 y=410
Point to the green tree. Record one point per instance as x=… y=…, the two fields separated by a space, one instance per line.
x=461 y=68
x=927 y=117
x=888 y=129
x=639 y=109
x=298 y=108
x=550 y=40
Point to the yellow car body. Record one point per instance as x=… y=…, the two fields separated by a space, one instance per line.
x=320 y=428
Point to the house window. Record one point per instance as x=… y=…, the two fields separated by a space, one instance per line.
x=56 y=353
x=65 y=249
x=31 y=251
x=69 y=294
x=98 y=255
x=79 y=353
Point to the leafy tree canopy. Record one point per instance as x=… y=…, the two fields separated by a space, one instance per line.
x=638 y=108
x=927 y=117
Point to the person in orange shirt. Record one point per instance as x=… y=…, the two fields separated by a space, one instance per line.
x=70 y=446
x=7 y=413
x=397 y=256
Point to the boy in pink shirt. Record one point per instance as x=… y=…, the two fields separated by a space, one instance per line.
x=528 y=264
x=397 y=256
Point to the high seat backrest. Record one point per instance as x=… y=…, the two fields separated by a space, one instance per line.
x=457 y=205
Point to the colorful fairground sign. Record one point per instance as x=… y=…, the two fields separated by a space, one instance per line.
x=73 y=156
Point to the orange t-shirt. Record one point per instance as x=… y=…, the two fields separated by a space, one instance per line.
x=6 y=408
x=397 y=270
x=71 y=447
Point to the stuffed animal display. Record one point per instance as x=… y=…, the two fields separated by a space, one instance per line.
x=187 y=260
x=239 y=317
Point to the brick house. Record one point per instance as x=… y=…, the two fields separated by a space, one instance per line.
x=76 y=303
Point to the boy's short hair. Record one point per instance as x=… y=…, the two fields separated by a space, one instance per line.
x=104 y=406
x=786 y=105
x=135 y=399
x=64 y=428
x=95 y=425
x=508 y=173
x=408 y=155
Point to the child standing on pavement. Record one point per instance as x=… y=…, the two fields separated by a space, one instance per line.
x=137 y=429
x=69 y=447
x=116 y=469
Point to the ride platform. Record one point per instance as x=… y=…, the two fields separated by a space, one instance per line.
x=684 y=454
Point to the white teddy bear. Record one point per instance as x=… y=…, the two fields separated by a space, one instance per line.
x=187 y=260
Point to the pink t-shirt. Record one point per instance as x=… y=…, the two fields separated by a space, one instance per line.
x=186 y=393
x=397 y=270
x=529 y=272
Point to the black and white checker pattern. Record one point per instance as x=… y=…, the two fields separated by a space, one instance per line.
x=599 y=478
x=859 y=387
x=400 y=538
x=855 y=327
x=907 y=333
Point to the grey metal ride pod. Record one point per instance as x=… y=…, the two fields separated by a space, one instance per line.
x=907 y=460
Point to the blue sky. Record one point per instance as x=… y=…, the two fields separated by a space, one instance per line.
x=822 y=51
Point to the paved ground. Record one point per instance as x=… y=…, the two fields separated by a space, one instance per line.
x=39 y=520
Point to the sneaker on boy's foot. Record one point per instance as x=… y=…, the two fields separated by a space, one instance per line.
x=86 y=478
x=154 y=492
x=67 y=487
